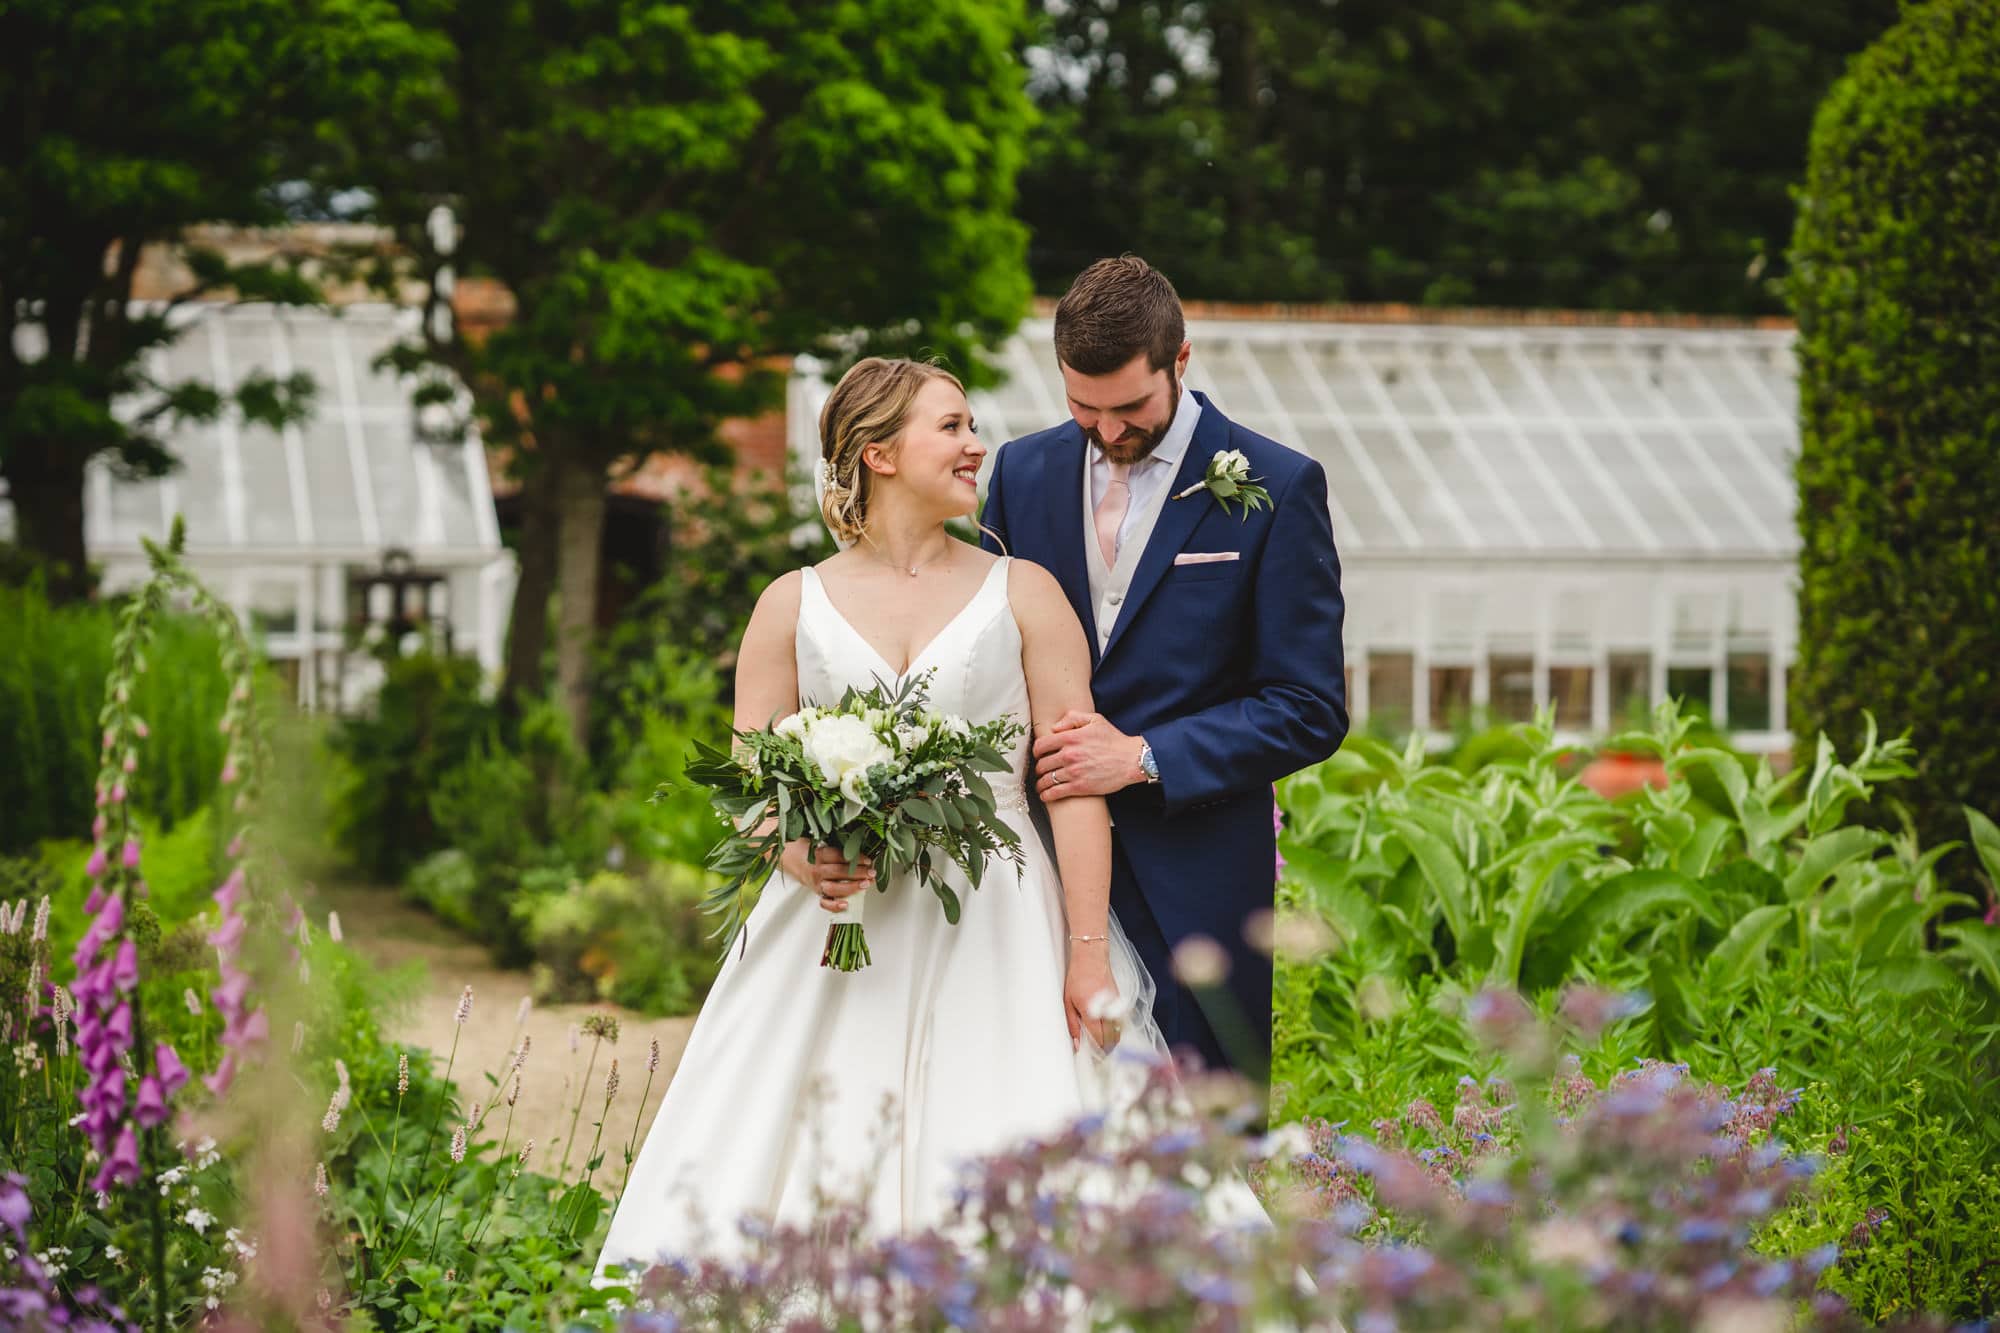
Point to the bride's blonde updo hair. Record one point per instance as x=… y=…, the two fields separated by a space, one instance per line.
x=870 y=405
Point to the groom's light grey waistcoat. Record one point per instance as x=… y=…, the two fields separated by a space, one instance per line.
x=1108 y=585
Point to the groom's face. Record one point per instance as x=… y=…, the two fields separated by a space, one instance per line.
x=1126 y=413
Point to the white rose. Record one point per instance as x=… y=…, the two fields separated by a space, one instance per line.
x=793 y=727
x=910 y=736
x=956 y=726
x=841 y=744
x=1232 y=464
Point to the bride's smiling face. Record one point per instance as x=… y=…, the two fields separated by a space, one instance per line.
x=936 y=459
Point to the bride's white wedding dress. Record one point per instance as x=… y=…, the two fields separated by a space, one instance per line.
x=879 y=1084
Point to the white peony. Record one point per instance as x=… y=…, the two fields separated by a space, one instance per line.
x=793 y=727
x=841 y=744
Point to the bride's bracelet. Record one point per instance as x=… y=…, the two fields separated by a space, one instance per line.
x=1086 y=939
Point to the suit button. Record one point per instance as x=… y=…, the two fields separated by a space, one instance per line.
x=1114 y=598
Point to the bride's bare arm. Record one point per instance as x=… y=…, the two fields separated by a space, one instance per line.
x=767 y=669
x=1056 y=659
x=767 y=688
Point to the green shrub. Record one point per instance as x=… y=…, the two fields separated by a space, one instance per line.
x=51 y=689
x=427 y=718
x=1914 y=1206
x=636 y=940
x=1897 y=291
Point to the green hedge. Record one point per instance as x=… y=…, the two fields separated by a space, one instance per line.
x=1897 y=291
x=52 y=671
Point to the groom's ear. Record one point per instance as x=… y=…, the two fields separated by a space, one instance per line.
x=1181 y=359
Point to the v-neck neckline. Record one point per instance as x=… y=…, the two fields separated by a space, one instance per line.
x=917 y=658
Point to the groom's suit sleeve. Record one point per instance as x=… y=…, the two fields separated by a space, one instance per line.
x=993 y=517
x=1294 y=712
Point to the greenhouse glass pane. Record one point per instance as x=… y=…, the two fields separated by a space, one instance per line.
x=1391 y=691
x=1460 y=386
x=1749 y=687
x=1621 y=461
x=367 y=339
x=1629 y=677
x=1516 y=395
x=393 y=474
x=1691 y=686
x=1718 y=369
x=1279 y=367
x=268 y=517
x=1569 y=691
x=1574 y=382
x=455 y=497
x=330 y=482
x=1226 y=379
x=1346 y=483
x=1585 y=487
x=1708 y=484
x=1451 y=697
x=198 y=484
x=135 y=510
x=1512 y=688
x=1404 y=388
x=1477 y=499
x=247 y=345
x=1346 y=379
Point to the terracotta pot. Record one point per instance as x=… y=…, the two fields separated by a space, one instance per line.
x=1617 y=773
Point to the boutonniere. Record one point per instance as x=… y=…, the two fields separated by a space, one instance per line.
x=1230 y=482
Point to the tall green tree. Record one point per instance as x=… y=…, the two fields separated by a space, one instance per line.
x=676 y=194
x=1898 y=301
x=1535 y=153
x=127 y=123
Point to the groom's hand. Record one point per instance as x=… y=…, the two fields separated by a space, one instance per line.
x=1084 y=755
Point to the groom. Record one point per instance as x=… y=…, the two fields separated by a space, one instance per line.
x=1215 y=636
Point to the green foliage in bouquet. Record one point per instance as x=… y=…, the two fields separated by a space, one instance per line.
x=880 y=774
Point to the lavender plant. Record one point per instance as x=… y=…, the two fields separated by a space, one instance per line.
x=1541 y=1200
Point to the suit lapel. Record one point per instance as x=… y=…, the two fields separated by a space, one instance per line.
x=1177 y=520
x=1065 y=480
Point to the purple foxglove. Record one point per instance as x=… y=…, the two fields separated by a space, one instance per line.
x=131 y=853
x=95 y=866
x=151 y=1107
x=125 y=968
x=219 y=1081
x=122 y=1166
x=172 y=1072
x=231 y=891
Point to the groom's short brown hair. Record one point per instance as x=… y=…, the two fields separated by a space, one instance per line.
x=1116 y=309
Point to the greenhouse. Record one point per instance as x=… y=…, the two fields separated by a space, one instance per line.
x=1590 y=516
x=339 y=529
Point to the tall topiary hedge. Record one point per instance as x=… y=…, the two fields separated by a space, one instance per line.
x=1897 y=292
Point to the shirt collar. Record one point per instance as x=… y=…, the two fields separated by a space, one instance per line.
x=1173 y=445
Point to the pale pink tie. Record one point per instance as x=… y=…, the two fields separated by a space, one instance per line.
x=1111 y=511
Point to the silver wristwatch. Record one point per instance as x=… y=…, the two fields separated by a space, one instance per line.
x=1147 y=764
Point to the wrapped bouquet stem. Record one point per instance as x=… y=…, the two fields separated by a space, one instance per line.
x=880 y=774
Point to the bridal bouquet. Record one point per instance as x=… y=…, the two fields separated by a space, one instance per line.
x=880 y=774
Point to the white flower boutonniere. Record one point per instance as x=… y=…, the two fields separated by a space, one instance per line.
x=1230 y=482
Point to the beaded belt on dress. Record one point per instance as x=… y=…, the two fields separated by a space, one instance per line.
x=1008 y=796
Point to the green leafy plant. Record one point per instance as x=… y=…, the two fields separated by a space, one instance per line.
x=637 y=940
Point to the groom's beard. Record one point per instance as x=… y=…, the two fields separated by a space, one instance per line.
x=1137 y=443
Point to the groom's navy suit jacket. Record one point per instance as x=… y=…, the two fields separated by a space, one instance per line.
x=1232 y=670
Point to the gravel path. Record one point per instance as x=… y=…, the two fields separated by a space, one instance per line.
x=389 y=932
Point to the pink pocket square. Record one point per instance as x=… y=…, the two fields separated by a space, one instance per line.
x=1204 y=557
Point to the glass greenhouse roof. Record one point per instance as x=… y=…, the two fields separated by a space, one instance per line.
x=1547 y=442
x=351 y=481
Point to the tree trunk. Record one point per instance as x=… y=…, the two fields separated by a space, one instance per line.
x=528 y=628
x=45 y=483
x=579 y=553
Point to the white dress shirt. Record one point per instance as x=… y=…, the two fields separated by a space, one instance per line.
x=1156 y=470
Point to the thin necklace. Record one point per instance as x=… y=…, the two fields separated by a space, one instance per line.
x=911 y=570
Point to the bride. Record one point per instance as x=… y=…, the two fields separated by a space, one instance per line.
x=801 y=1082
